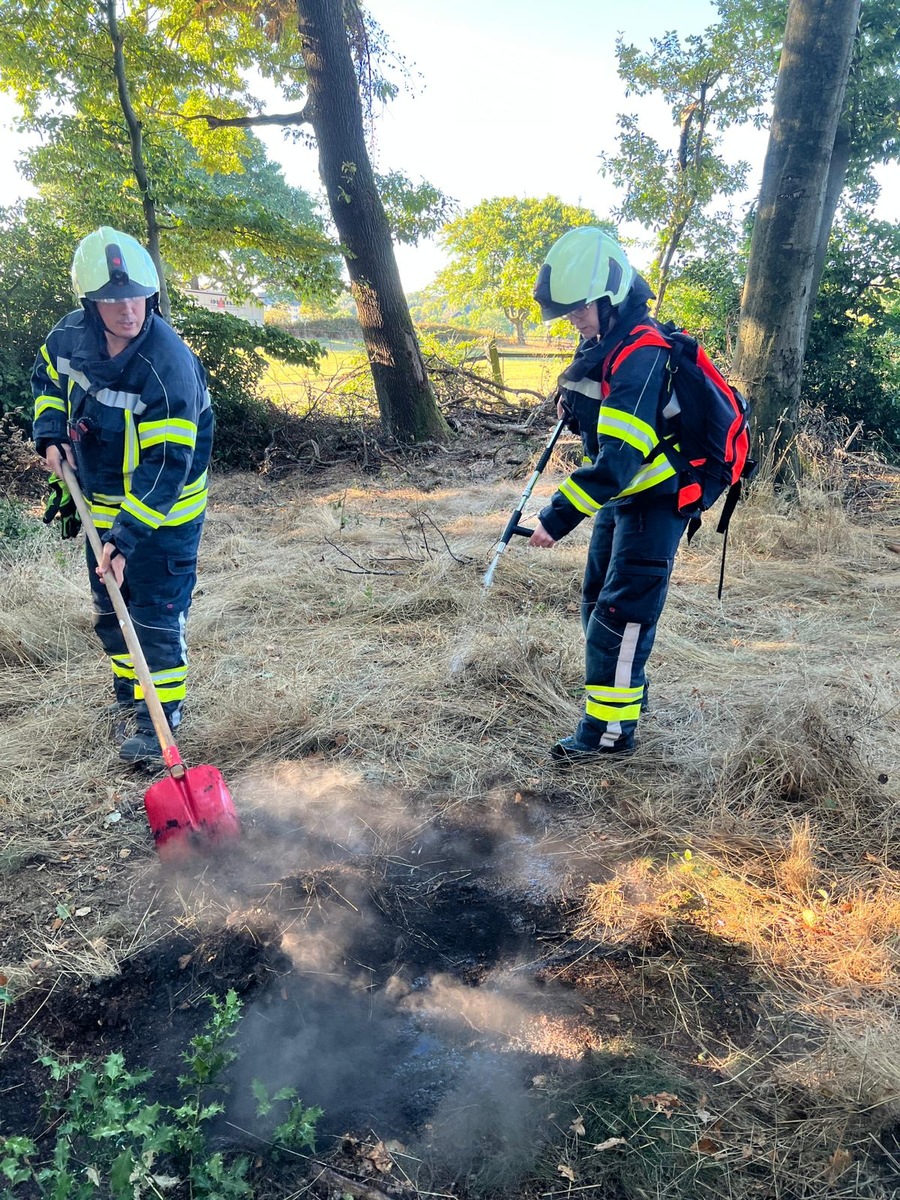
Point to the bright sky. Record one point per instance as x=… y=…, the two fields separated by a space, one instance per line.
x=507 y=97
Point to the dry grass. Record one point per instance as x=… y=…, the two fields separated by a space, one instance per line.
x=349 y=620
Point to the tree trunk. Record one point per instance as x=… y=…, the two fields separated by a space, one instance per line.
x=778 y=290
x=135 y=139
x=518 y=323
x=837 y=177
x=405 y=399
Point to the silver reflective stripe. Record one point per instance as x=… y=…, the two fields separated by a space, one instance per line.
x=64 y=366
x=624 y=666
x=587 y=387
x=126 y=400
x=112 y=399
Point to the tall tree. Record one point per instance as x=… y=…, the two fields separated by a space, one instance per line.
x=809 y=96
x=869 y=129
x=709 y=80
x=497 y=248
x=106 y=88
x=406 y=401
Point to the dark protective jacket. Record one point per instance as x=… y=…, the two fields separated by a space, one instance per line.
x=141 y=423
x=616 y=391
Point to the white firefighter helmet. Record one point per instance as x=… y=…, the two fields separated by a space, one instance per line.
x=585 y=264
x=109 y=265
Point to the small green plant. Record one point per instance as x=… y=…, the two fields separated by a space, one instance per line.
x=299 y=1125
x=16 y=523
x=111 y=1143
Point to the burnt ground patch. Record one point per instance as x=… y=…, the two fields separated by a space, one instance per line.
x=423 y=994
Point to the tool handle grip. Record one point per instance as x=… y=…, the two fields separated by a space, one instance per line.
x=141 y=670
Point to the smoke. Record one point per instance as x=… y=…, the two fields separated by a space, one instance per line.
x=411 y=1009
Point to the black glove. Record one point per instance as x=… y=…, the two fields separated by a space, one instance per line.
x=61 y=505
x=569 y=416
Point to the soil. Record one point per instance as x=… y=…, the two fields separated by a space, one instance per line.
x=388 y=987
x=416 y=979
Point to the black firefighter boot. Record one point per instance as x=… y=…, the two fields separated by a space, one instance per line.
x=143 y=745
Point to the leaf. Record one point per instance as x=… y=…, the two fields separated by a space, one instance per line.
x=566 y=1172
x=93 y=1175
x=809 y=917
x=610 y=1142
x=577 y=1127
x=83 y=912
x=706 y=1145
x=838 y=1163
x=660 y=1102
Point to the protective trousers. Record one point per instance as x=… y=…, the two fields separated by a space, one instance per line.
x=626 y=580
x=159 y=580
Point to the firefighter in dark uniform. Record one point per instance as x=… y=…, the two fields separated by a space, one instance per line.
x=120 y=395
x=612 y=389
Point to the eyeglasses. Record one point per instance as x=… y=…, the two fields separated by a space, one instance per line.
x=579 y=311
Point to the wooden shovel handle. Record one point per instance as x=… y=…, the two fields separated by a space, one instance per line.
x=157 y=715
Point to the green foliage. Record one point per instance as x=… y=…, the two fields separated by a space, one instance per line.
x=414 y=210
x=297 y=1128
x=234 y=355
x=223 y=208
x=704 y=297
x=35 y=292
x=497 y=249
x=709 y=81
x=852 y=368
x=111 y=1143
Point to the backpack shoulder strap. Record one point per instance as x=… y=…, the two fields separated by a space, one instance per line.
x=641 y=335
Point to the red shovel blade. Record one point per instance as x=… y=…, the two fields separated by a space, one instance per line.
x=191 y=815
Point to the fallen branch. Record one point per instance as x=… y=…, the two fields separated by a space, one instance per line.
x=352 y=1187
x=361 y=570
x=487 y=383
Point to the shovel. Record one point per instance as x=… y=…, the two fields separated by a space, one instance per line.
x=191 y=812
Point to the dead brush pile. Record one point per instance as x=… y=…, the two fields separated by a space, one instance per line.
x=343 y=621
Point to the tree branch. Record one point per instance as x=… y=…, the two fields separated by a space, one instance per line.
x=302 y=117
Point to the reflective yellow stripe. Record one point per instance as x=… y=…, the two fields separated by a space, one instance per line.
x=610 y=712
x=103 y=514
x=586 y=460
x=191 y=489
x=42 y=403
x=185 y=510
x=142 y=512
x=51 y=370
x=154 y=433
x=131 y=455
x=169 y=684
x=177 y=692
x=581 y=500
x=648 y=476
x=122 y=666
x=627 y=428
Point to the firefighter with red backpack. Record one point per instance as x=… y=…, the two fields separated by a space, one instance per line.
x=635 y=481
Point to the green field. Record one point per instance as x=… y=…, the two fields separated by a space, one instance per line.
x=342 y=371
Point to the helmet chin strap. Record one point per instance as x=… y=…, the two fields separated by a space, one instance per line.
x=606 y=314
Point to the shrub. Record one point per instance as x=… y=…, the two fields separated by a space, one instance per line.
x=35 y=292
x=231 y=351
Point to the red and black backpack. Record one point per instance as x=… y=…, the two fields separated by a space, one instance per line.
x=702 y=423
